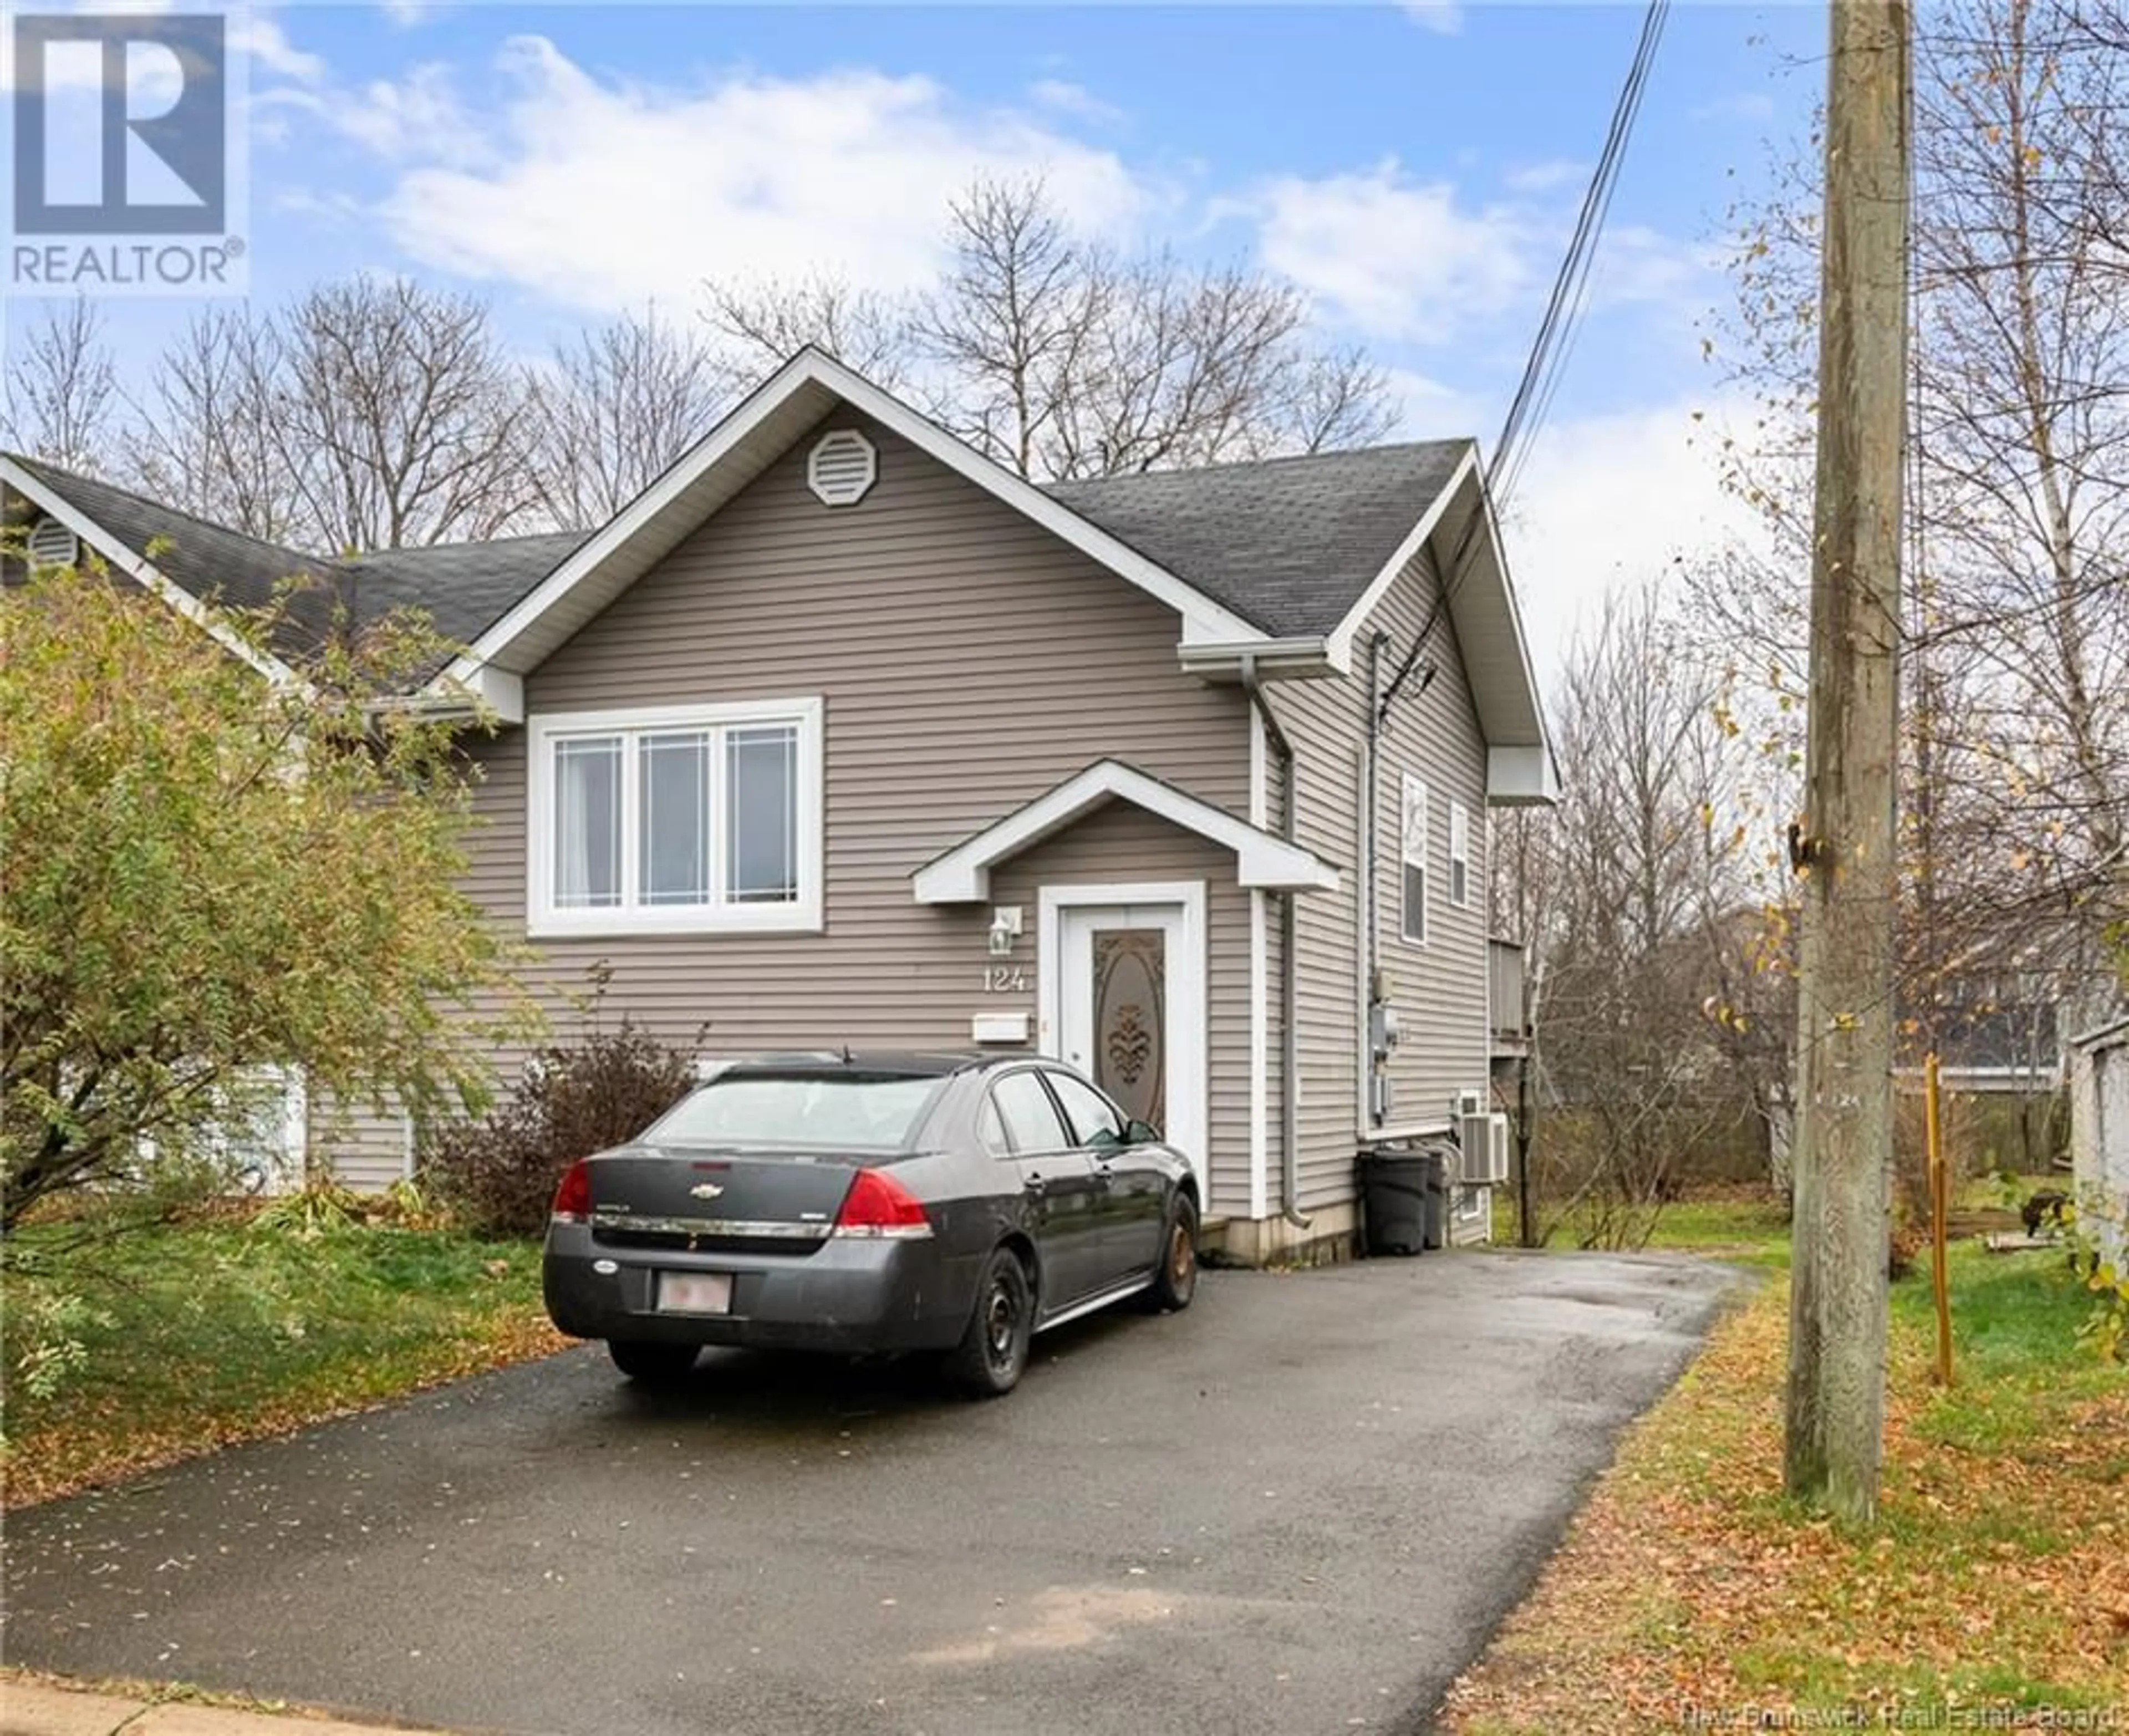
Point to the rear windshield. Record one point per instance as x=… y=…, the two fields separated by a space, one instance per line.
x=859 y=1111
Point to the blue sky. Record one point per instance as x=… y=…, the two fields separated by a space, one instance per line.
x=1415 y=169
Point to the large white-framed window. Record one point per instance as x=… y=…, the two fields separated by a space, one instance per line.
x=684 y=819
x=1460 y=854
x=1412 y=851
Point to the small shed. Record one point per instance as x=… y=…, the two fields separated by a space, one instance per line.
x=2099 y=1132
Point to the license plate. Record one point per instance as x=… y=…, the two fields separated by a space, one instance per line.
x=694 y=1293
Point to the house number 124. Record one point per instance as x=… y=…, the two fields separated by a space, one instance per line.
x=1005 y=979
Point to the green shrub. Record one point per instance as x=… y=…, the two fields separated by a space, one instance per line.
x=50 y=1328
x=498 y=1173
x=2106 y=1327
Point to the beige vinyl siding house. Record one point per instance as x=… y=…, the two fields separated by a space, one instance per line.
x=841 y=735
x=1437 y=984
x=366 y=1147
x=949 y=644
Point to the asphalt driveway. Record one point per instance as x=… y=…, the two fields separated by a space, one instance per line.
x=1300 y=1507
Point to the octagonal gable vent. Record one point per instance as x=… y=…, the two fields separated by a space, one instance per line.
x=52 y=544
x=842 y=468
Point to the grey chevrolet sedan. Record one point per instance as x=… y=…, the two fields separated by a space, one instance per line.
x=871 y=1203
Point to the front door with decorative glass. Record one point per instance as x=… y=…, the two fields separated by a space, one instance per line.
x=1130 y=1004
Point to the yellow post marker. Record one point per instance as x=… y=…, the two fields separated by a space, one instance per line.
x=1940 y=1184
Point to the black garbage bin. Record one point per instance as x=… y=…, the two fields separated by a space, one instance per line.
x=1394 y=1197
x=1434 y=1170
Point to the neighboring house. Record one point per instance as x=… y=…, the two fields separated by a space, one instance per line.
x=2000 y=1019
x=1999 y=1014
x=841 y=733
x=1994 y=1033
x=2099 y=1134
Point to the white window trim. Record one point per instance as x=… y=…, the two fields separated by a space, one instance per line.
x=1459 y=853
x=543 y=921
x=1408 y=786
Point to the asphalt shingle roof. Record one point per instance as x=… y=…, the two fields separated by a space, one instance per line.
x=1288 y=543
x=463 y=586
x=208 y=559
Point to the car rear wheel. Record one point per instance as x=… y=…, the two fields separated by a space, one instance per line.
x=993 y=1353
x=1175 y=1280
x=654 y=1364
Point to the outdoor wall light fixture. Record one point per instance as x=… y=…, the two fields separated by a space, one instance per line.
x=1005 y=929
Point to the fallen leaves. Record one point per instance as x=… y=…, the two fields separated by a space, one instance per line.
x=218 y=1335
x=1690 y=1581
x=44 y=1465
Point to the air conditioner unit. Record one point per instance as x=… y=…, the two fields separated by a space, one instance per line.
x=1484 y=1142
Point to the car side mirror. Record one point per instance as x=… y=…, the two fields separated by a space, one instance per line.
x=1140 y=1133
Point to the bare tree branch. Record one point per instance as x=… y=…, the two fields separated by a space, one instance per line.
x=61 y=388
x=205 y=436
x=399 y=417
x=1059 y=358
x=2016 y=646
x=760 y=324
x=613 y=409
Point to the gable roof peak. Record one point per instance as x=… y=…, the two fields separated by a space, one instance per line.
x=79 y=482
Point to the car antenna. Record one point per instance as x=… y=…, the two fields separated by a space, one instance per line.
x=847 y=1054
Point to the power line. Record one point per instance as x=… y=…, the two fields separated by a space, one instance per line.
x=1557 y=329
x=1563 y=307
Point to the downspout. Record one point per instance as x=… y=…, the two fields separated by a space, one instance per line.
x=1289 y=1041
x=1371 y=754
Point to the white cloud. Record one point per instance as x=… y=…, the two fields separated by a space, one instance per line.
x=155 y=77
x=407 y=13
x=1612 y=499
x=268 y=44
x=418 y=120
x=1637 y=264
x=1743 y=105
x=1430 y=409
x=1392 y=257
x=1401 y=261
x=77 y=64
x=133 y=7
x=602 y=194
x=1444 y=17
x=1060 y=96
x=1547 y=176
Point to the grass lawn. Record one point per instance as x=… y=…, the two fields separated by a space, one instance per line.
x=1748 y=1226
x=196 y=1335
x=1995 y=1579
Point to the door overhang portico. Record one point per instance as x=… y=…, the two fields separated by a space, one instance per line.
x=1123 y=979
x=1262 y=861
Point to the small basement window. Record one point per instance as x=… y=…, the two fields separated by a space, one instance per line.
x=842 y=468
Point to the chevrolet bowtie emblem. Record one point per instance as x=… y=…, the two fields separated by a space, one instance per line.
x=704 y=1190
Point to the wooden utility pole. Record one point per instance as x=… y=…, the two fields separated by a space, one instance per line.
x=1845 y=845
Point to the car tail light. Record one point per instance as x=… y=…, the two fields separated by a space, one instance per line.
x=573 y=1197
x=877 y=1204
